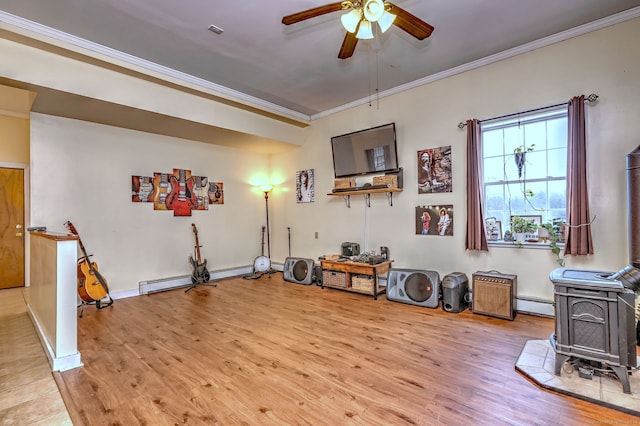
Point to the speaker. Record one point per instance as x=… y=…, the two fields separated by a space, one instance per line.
x=298 y=270
x=494 y=294
x=455 y=287
x=413 y=286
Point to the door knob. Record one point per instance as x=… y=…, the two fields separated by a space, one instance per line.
x=18 y=234
x=18 y=226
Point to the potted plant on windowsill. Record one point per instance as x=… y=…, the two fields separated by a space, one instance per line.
x=555 y=230
x=521 y=226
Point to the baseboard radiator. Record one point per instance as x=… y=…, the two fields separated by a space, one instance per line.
x=164 y=284
x=535 y=306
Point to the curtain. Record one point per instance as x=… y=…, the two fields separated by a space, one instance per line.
x=476 y=236
x=579 y=240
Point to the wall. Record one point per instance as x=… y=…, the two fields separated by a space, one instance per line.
x=14 y=140
x=603 y=62
x=82 y=172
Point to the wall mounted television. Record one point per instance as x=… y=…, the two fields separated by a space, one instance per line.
x=365 y=152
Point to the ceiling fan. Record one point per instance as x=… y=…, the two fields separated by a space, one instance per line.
x=358 y=21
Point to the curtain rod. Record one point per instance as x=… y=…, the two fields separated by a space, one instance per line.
x=591 y=98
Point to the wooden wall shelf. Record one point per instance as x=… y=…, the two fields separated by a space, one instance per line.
x=367 y=194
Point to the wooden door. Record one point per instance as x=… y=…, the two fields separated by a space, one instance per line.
x=11 y=228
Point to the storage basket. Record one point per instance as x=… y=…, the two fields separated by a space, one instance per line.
x=362 y=283
x=334 y=278
x=344 y=183
x=390 y=180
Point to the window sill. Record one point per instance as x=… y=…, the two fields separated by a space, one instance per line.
x=527 y=245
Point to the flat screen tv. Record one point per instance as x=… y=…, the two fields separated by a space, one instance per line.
x=365 y=152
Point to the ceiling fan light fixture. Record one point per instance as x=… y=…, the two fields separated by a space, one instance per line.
x=364 y=30
x=373 y=10
x=386 y=21
x=350 y=20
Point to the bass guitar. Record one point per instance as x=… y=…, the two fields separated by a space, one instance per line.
x=92 y=286
x=200 y=274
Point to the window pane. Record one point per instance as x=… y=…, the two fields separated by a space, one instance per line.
x=537 y=204
x=557 y=132
x=535 y=165
x=513 y=138
x=536 y=134
x=494 y=198
x=558 y=162
x=492 y=143
x=493 y=169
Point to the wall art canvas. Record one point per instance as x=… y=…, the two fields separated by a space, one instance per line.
x=305 y=192
x=201 y=190
x=161 y=190
x=141 y=189
x=434 y=220
x=434 y=170
x=216 y=193
x=180 y=191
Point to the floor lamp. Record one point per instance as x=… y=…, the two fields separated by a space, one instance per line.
x=266 y=190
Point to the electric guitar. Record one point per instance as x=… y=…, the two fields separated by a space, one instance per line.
x=200 y=274
x=92 y=286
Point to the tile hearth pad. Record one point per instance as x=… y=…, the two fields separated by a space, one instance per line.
x=537 y=361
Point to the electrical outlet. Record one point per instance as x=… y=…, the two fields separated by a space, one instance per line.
x=316 y=235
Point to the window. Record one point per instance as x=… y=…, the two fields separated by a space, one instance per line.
x=538 y=187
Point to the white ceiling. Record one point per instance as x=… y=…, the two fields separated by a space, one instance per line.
x=297 y=67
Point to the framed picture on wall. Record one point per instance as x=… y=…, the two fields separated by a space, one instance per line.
x=493 y=228
x=434 y=170
x=434 y=220
x=305 y=192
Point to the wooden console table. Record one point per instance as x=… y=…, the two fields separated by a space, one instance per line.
x=356 y=277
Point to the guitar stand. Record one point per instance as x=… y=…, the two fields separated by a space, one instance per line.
x=196 y=284
x=98 y=304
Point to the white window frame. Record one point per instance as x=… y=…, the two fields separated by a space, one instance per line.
x=520 y=120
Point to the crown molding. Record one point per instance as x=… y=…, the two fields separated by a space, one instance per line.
x=79 y=45
x=510 y=53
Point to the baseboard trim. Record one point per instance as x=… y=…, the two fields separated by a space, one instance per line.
x=171 y=283
x=57 y=363
x=534 y=306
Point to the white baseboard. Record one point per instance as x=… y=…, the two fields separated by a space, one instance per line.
x=164 y=284
x=541 y=307
x=57 y=363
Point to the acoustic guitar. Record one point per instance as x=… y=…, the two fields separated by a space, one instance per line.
x=92 y=286
x=200 y=274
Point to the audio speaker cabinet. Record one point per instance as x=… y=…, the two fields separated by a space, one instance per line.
x=494 y=294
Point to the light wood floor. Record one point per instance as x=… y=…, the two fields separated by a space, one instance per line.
x=28 y=392
x=269 y=352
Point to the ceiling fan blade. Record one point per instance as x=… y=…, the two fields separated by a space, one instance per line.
x=410 y=23
x=312 y=13
x=348 y=46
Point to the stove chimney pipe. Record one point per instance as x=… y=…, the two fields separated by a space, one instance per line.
x=633 y=201
x=629 y=276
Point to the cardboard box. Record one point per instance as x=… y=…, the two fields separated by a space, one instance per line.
x=390 y=180
x=344 y=183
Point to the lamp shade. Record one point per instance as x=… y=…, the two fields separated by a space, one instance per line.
x=386 y=21
x=364 y=30
x=373 y=10
x=350 y=20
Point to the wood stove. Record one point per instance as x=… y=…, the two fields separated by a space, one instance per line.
x=595 y=321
